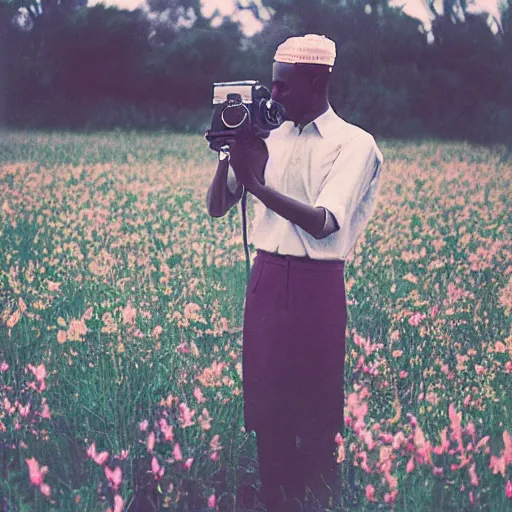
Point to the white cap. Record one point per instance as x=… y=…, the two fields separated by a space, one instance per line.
x=309 y=49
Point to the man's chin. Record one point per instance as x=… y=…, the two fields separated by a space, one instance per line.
x=289 y=117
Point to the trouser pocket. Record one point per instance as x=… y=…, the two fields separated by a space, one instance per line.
x=255 y=277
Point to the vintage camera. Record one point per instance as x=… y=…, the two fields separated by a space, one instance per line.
x=243 y=107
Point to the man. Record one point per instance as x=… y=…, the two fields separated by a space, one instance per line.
x=315 y=181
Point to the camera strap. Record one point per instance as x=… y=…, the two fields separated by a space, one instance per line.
x=223 y=154
x=244 y=232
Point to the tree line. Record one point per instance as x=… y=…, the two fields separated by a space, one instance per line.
x=65 y=64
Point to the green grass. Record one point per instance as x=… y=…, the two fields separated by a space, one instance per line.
x=119 y=221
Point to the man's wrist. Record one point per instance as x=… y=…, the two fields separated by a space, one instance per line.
x=256 y=188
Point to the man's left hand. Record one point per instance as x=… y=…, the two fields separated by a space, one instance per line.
x=249 y=156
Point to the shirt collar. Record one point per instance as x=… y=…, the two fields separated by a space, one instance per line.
x=324 y=122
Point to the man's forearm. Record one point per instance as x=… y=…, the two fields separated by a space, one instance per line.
x=311 y=219
x=219 y=197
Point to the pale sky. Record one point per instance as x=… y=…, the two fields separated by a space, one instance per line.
x=415 y=8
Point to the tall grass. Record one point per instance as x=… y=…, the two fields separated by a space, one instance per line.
x=120 y=324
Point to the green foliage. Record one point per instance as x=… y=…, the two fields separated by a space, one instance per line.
x=102 y=67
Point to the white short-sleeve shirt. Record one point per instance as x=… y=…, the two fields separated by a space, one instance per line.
x=330 y=163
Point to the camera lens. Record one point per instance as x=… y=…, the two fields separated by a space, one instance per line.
x=273 y=113
x=233 y=116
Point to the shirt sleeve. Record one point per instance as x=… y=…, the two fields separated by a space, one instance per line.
x=330 y=224
x=232 y=181
x=364 y=210
x=349 y=178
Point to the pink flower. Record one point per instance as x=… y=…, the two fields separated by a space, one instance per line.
x=188 y=463
x=479 y=369
x=410 y=465
x=412 y=420
x=390 y=497
x=507 y=450
x=36 y=473
x=416 y=319
x=386 y=438
x=76 y=330
x=423 y=447
x=497 y=464
x=24 y=410
x=214 y=443
x=45 y=489
x=482 y=442
x=3 y=367
x=88 y=314
x=390 y=479
x=370 y=493
x=62 y=336
x=39 y=371
x=445 y=444
x=211 y=501
x=508 y=489
x=53 y=286
x=455 y=423
x=129 y=313
x=368 y=439
x=182 y=347
x=191 y=309
x=473 y=478
x=199 y=395
x=151 y=441
x=118 y=504
x=186 y=416
x=156 y=469
x=403 y=374
x=471 y=430
x=341 y=448
x=99 y=458
x=364 y=462
x=177 y=452
x=124 y=454
x=143 y=425
x=166 y=429
x=398 y=440
x=369 y=347
x=114 y=477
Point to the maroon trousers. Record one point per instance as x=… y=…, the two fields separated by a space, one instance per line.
x=293 y=364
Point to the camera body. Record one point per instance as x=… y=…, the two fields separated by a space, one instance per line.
x=243 y=107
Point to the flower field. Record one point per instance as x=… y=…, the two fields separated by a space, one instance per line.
x=121 y=309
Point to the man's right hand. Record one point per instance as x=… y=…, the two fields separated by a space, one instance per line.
x=248 y=150
x=218 y=142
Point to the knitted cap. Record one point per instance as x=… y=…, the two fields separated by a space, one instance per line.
x=309 y=49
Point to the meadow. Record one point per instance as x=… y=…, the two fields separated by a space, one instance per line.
x=121 y=309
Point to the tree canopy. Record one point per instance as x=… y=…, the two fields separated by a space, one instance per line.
x=64 y=63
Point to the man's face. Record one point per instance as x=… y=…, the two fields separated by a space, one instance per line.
x=292 y=89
